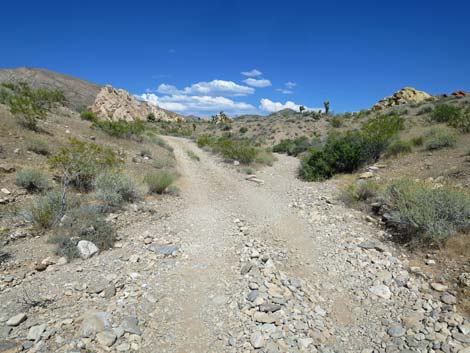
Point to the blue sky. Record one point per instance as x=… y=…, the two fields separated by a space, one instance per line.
x=190 y=56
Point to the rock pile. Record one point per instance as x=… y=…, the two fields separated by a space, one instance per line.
x=221 y=118
x=118 y=104
x=406 y=95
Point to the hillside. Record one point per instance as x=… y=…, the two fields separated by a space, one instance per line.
x=79 y=93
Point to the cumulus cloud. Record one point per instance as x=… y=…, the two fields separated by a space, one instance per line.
x=290 y=84
x=198 y=105
x=252 y=73
x=268 y=105
x=257 y=82
x=213 y=88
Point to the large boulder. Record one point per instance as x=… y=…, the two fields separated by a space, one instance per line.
x=117 y=104
x=406 y=95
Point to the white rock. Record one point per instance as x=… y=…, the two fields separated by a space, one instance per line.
x=439 y=287
x=257 y=340
x=17 y=319
x=86 y=249
x=35 y=332
x=381 y=291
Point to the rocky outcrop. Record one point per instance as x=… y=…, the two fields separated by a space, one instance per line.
x=406 y=95
x=221 y=118
x=118 y=104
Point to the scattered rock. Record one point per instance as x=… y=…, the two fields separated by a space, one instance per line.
x=106 y=338
x=381 y=291
x=35 y=332
x=93 y=323
x=257 y=340
x=86 y=249
x=396 y=331
x=131 y=324
x=10 y=347
x=439 y=287
x=17 y=319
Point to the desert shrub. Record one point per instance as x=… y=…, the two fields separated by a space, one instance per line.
x=151 y=117
x=114 y=188
x=38 y=146
x=462 y=121
x=160 y=142
x=421 y=212
x=89 y=116
x=193 y=155
x=82 y=223
x=44 y=210
x=121 y=128
x=30 y=105
x=336 y=121
x=444 y=113
x=205 y=140
x=145 y=152
x=248 y=170
x=32 y=180
x=293 y=147
x=157 y=182
x=361 y=191
x=398 y=147
x=346 y=152
x=164 y=161
x=243 y=130
x=425 y=110
x=80 y=162
x=265 y=157
x=417 y=141
x=440 y=138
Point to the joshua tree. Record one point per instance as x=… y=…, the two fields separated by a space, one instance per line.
x=301 y=108
x=327 y=107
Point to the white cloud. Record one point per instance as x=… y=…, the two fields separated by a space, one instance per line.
x=268 y=105
x=284 y=91
x=252 y=73
x=213 y=88
x=198 y=105
x=257 y=82
x=290 y=84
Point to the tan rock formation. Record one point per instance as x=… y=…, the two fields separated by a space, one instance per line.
x=118 y=104
x=406 y=95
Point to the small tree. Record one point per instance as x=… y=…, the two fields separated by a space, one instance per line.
x=31 y=105
x=326 y=104
x=151 y=117
x=301 y=108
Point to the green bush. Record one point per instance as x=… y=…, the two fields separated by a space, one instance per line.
x=80 y=162
x=346 y=152
x=265 y=157
x=30 y=105
x=45 y=210
x=243 y=130
x=89 y=116
x=440 y=138
x=82 y=223
x=461 y=122
x=444 y=113
x=360 y=191
x=293 y=147
x=417 y=141
x=164 y=161
x=398 y=147
x=425 y=110
x=158 y=182
x=424 y=213
x=32 y=180
x=121 y=128
x=151 y=117
x=114 y=188
x=38 y=146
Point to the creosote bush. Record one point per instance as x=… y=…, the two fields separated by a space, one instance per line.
x=453 y=116
x=362 y=190
x=121 y=128
x=345 y=152
x=114 y=188
x=159 y=181
x=80 y=162
x=28 y=104
x=89 y=116
x=32 y=180
x=425 y=213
